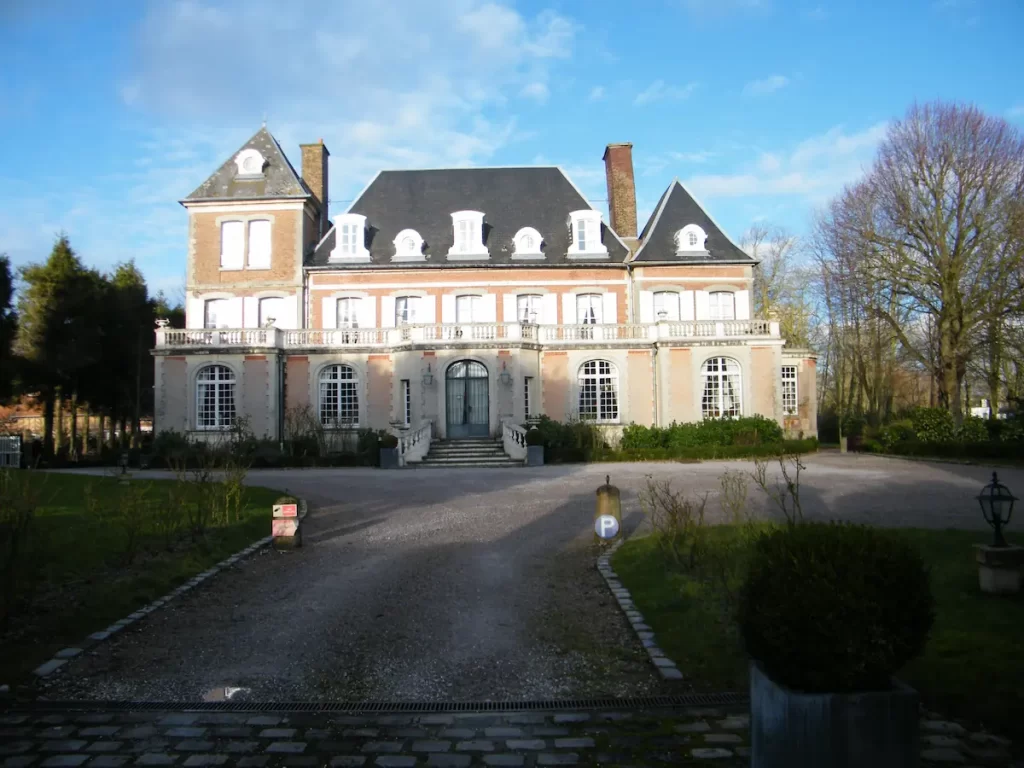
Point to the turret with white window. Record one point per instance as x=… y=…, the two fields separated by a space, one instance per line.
x=585 y=236
x=469 y=236
x=350 y=239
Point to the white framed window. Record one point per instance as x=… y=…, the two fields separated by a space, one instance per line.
x=259 y=244
x=527 y=387
x=585 y=235
x=350 y=238
x=721 y=305
x=598 y=391
x=232 y=244
x=467 y=227
x=339 y=396
x=722 y=392
x=528 y=307
x=272 y=311
x=215 y=313
x=215 y=398
x=467 y=309
x=408 y=246
x=250 y=162
x=406 y=309
x=667 y=303
x=527 y=244
x=790 y=404
x=690 y=238
x=348 y=312
x=407 y=402
x=588 y=308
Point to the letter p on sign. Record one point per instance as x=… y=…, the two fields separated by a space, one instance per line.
x=606 y=526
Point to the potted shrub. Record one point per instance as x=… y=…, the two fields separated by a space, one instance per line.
x=388 y=451
x=534 y=448
x=828 y=613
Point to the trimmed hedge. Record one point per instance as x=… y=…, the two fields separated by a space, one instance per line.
x=746 y=431
x=711 y=452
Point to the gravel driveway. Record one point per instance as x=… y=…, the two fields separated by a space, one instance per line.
x=457 y=584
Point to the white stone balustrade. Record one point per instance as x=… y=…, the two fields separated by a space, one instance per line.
x=414 y=445
x=513 y=439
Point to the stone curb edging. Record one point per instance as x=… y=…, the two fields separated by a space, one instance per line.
x=665 y=666
x=62 y=657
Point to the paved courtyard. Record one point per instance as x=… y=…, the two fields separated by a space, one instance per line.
x=454 y=584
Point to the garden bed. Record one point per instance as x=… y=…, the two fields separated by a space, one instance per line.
x=971 y=668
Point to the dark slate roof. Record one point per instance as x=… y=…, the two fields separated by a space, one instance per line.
x=279 y=178
x=675 y=210
x=509 y=198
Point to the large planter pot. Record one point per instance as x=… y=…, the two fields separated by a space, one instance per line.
x=389 y=458
x=872 y=729
x=999 y=569
x=535 y=455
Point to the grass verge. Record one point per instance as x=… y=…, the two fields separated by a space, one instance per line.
x=971 y=669
x=81 y=581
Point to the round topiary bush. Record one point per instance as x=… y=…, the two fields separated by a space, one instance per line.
x=534 y=437
x=829 y=607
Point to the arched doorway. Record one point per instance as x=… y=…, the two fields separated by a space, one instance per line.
x=467 y=399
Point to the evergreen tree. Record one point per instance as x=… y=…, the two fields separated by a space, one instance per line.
x=8 y=327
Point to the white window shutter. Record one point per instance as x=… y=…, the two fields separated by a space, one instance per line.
x=447 y=308
x=548 y=309
x=250 y=312
x=232 y=243
x=647 y=307
x=489 y=308
x=686 y=308
x=610 y=315
x=509 y=311
x=387 y=311
x=329 y=313
x=194 y=309
x=427 y=310
x=234 y=313
x=259 y=244
x=703 y=311
x=568 y=309
x=742 y=305
x=287 y=321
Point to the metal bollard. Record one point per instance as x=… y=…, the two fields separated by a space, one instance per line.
x=608 y=512
x=285 y=526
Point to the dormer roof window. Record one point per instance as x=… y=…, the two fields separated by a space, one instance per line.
x=468 y=229
x=408 y=246
x=527 y=244
x=350 y=239
x=691 y=239
x=250 y=163
x=585 y=236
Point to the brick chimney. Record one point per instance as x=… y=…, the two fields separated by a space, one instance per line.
x=314 y=173
x=618 y=166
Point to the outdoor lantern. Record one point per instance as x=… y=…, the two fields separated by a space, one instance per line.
x=997 y=507
x=428 y=377
x=505 y=377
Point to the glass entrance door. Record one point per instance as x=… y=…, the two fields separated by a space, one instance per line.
x=468 y=402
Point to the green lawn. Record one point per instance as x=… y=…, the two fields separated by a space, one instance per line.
x=82 y=581
x=972 y=668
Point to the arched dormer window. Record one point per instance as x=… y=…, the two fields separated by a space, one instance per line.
x=691 y=239
x=408 y=246
x=527 y=244
x=350 y=239
x=250 y=163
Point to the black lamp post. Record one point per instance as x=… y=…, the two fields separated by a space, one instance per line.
x=997 y=506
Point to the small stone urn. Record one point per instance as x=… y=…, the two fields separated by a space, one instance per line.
x=999 y=564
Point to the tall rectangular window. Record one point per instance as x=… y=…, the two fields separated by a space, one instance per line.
x=790 y=403
x=527 y=386
x=581 y=234
x=722 y=305
x=348 y=239
x=348 y=313
x=407 y=401
x=232 y=244
x=259 y=244
x=215 y=313
x=528 y=308
x=405 y=309
x=467 y=309
x=666 y=302
x=272 y=312
x=588 y=308
x=465 y=228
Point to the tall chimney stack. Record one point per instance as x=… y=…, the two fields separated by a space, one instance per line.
x=618 y=166
x=314 y=173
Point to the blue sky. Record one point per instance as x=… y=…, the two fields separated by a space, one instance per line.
x=110 y=112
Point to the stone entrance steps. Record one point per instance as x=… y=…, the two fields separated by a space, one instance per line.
x=475 y=452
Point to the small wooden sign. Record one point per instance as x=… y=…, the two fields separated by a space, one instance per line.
x=286 y=510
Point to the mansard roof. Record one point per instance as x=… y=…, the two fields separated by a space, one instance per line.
x=676 y=209
x=509 y=198
x=278 y=179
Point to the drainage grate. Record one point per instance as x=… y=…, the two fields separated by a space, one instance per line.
x=640 y=702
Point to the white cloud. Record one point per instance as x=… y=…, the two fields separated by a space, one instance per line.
x=659 y=91
x=766 y=85
x=691 y=157
x=536 y=91
x=815 y=169
x=1015 y=112
x=597 y=93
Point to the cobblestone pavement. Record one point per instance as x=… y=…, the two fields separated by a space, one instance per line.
x=696 y=736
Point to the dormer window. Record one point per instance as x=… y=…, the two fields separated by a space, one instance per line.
x=585 y=236
x=690 y=239
x=468 y=229
x=250 y=163
x=527 y=243
x=350 y=238
x=408 y=246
